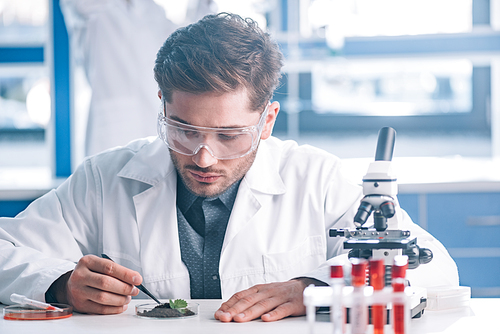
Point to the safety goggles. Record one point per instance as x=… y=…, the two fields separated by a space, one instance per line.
x=221 y=143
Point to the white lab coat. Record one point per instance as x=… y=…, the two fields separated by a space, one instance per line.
x=123 y=203
x=116 y=42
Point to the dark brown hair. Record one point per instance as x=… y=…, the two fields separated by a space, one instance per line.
x=220 y=53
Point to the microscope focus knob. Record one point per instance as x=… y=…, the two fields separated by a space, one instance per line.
x=418 y=256
x=425 y=255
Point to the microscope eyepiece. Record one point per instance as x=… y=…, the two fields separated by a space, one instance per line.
x=385 y=144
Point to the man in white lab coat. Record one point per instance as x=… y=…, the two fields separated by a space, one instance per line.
x=275 y=201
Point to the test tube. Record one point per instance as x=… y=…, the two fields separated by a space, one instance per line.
x=23 y=300
x=377 y=281
x=310 y=299
x=311 y=316
x=359 y=309
x=337 y=311
x=400 y=315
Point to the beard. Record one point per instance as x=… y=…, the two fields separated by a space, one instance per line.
x=230 y=171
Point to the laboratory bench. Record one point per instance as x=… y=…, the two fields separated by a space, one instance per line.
x=478 y=317
x=456 y=199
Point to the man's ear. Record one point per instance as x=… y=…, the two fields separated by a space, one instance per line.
x=272 y=113
x=159 y=94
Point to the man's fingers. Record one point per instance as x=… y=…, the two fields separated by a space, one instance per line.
x=280 y=312
x=101 y=286
x=88 y=273
x=91 y=307
x=238 y=303
x=268 y=309
x=263 y=306
x=248 y=304
x=87 y=298
x=271 y=302
x=107 y=298
x=110 y=284
x=110 y=268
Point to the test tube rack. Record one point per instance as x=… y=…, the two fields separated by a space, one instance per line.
x=321 y=297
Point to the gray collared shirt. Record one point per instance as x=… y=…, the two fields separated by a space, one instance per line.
x=201 y=235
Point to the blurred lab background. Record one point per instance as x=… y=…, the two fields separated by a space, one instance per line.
x=428 y=68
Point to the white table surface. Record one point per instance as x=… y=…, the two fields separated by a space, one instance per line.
x=480 y=317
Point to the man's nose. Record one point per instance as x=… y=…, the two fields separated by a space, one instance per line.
x=204 y=159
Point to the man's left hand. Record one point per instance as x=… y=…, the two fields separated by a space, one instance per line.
x=270 y=302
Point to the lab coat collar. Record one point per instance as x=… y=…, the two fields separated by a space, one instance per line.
x=151 y=164
x=264 y=175
x=156 y=216
x=262 y=179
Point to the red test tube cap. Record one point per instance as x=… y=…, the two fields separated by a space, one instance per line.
x=399 y=267
x=377 y=274
x=336 y=271
x=358 y=271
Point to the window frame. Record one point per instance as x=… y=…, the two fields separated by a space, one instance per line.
x=477 y=121
x=55 y=55
x=480 y=46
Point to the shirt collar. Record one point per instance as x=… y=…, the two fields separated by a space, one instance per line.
x=228 y=197
x=185 y=198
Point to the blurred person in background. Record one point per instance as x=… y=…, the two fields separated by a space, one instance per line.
x=116 y=41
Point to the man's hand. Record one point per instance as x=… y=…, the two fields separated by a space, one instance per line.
x=97 y=286
x=270 y=302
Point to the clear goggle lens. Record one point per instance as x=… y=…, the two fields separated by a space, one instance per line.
x=222 y=144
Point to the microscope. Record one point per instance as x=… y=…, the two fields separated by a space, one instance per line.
x=383 y=239
x=377 y=238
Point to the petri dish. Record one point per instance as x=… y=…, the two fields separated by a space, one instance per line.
x=23 y=312
x=155 y=311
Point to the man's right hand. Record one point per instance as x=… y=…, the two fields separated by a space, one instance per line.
x=97 y=286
